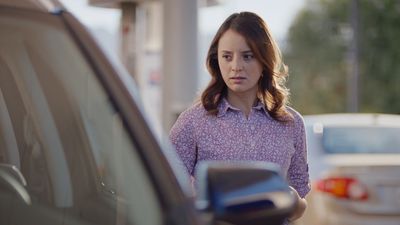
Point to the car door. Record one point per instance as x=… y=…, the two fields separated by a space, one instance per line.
x=61 y=129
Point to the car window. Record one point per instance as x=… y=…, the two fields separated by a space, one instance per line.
x=336 y=140
x=59 y=127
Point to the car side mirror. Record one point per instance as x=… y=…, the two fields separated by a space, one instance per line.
x=244 y=193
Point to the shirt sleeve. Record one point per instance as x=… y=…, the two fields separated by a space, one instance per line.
x=182 y=136
x=298 y=176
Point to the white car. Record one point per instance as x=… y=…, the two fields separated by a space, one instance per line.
x=354 y=164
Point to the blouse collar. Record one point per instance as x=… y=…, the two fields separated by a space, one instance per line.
x=224 y=105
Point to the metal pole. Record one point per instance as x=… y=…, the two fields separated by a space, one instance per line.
x=128 y=48
x=180 y=58
x=353 y=78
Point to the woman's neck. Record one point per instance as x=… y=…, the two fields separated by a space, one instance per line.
x=241 y=101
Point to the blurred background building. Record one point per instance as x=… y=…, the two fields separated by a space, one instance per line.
x=164 y=44
x=341 y=54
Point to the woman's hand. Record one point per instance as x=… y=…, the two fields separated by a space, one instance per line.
x=301 y=205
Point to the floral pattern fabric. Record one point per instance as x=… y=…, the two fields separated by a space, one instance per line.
x=199 y=136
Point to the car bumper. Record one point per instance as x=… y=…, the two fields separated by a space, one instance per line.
x=350 y=219
x=325 y=212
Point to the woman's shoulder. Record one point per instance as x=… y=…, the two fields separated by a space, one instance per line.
x=297 y=123
x=189 y=119
x=193 y=112
x=297 y=117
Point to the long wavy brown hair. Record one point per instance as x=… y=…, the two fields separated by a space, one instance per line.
x=271 y=86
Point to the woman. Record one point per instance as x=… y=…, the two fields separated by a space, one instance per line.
x=243 y=113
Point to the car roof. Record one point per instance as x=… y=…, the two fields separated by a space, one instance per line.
x=37 y=5
x=353 y=119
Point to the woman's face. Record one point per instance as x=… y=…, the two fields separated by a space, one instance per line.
x=239 y=67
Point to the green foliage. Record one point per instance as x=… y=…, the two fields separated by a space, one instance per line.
x=317 y=56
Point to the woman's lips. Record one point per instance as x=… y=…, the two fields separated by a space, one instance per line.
x=237 y=80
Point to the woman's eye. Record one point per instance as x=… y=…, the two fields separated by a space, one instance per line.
x=227 y=57
x=248 y=57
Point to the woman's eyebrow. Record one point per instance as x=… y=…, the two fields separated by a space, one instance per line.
x=247 y=51
x=243 y=52
x=226 y=51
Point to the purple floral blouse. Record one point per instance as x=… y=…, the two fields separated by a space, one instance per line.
x=198 y=135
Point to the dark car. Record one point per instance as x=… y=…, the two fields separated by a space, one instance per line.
x=75 y=147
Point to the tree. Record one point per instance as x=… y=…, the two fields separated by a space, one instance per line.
x=317 y=56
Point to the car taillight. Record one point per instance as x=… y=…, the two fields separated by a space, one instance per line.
x=341 y=187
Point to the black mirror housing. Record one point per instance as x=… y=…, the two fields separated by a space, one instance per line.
x=244 y=192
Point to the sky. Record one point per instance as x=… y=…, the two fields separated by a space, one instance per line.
x=94 y=17
x=277 y=13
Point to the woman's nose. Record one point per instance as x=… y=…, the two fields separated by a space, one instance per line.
x=237 y=65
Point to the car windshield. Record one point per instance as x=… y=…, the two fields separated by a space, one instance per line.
x=361 y=140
